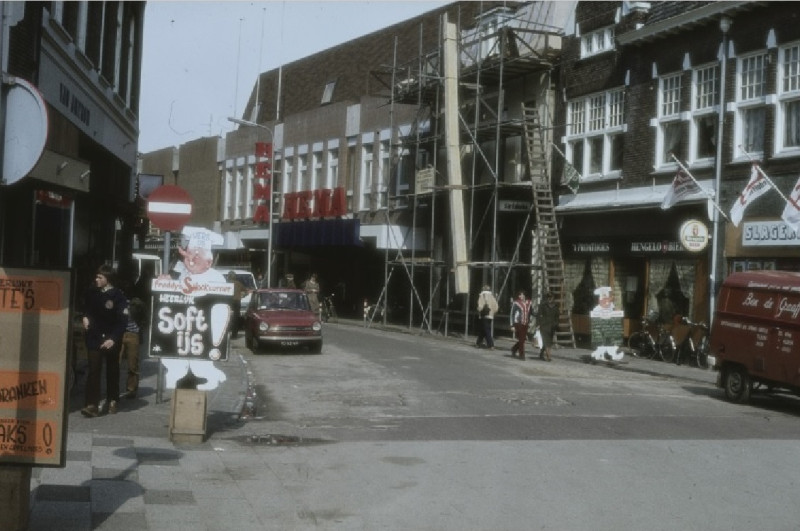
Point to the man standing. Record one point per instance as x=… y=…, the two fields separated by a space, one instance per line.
x=239 y=291
x=487 y=307
x=105 y=318
x=520 y=313
x=311 y=287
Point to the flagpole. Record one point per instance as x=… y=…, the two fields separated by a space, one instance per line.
x=758 y=168
x=710 y=197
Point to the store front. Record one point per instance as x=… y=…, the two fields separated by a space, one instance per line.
x=762 y=243
x=642 y=257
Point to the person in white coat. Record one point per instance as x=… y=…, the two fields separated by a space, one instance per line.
x=487 y=307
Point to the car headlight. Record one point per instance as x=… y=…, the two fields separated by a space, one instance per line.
x=263 y=327
x=317 y=326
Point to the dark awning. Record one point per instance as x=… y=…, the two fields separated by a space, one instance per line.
x=342 y=232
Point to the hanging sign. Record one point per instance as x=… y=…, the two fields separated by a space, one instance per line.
x=694 y=236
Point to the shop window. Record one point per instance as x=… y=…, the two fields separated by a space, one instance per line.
x=672 y=304
x=583 y=294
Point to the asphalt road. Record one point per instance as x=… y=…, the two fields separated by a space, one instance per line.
x=394 y=431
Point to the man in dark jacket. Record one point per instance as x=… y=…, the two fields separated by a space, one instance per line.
x=547 y=319
x=105 y=319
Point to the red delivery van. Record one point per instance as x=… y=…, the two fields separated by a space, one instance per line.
x=755 y=336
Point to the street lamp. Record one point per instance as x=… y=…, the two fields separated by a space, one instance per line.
x=248 y=123
x=724 y=26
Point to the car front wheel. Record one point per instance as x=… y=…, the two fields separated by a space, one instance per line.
x=315 y=347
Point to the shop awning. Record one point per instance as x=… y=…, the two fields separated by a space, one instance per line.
x=626 y=198
x=340 y=232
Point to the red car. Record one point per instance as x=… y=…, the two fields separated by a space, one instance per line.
x=283 y=318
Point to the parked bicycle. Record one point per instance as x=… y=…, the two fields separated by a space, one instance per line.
x=328 y=309
x=642 y=344
x=688 y=350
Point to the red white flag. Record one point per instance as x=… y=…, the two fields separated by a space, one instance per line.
x=791 y=213
x=682 y=187
x=757 y=186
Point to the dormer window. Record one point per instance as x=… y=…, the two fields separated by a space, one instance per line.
x=327 y=94
x=598 y=41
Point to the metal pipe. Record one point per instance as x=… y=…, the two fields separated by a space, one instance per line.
x=724 y=25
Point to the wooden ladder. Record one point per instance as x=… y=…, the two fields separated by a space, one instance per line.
x=547 y=244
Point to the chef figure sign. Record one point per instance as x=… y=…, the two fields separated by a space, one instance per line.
x=192 y=312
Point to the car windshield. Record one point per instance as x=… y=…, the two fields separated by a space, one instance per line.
x=282 y=300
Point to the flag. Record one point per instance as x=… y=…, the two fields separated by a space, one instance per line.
x=571 y=178
x=756 y=187
x=791 y=213
x=682 y=186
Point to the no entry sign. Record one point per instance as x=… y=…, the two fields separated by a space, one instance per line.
x=169 y=207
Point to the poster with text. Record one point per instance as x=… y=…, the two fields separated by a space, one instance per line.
x=190 y=320
x=35 y=328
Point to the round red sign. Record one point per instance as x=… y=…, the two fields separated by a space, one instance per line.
x=169 y=207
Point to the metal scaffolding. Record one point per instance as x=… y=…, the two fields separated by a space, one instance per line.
x=503 y=103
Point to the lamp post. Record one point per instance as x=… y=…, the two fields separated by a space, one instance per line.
x=248 y=123
x=724 y=26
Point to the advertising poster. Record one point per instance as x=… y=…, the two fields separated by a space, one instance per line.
x=190 y=319
x=35 y=331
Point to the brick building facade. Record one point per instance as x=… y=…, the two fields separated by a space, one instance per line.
x=642 y=81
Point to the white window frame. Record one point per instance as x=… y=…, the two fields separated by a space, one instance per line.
x=668 y=116
x=365 y=178
x=303 y=175
x=705 y=106
x=384 y=169
x=595 y=119
x=751 y=95
x=227 y=213
x=788 y=86
x=332 y=173
x=598 y=41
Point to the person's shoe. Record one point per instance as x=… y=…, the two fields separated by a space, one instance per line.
x=112 y=407
x=90 y=411
x=129 y=394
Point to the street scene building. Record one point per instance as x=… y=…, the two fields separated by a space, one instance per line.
x=534 y=155
x=645 y=88
x=73 y=208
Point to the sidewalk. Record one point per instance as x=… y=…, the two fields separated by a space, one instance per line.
x=124 y=474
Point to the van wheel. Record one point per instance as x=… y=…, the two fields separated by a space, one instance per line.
x=737 y=385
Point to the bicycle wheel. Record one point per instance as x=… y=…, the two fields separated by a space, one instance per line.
x=703 y=349
x=640 y=346
x=666 y=347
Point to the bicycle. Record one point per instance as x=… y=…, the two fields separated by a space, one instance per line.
x=687 y=347
x=328 y=309
x=642 y=344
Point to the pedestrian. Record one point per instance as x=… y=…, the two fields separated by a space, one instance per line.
x=131 y=340
x=311 y=287
x=105 y=319
x=520 y=313
x=547 y=319
x=487 y=307
x=239 y=291
x=288 y=281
